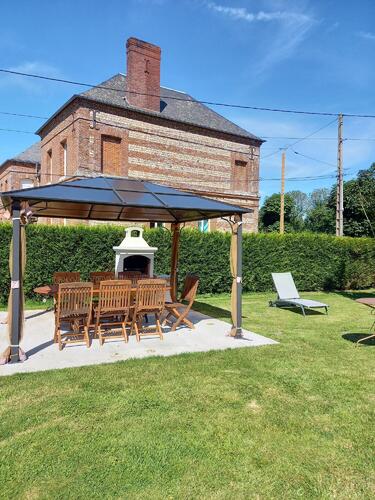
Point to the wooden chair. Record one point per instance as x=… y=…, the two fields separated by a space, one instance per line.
x=149 y=299
x=180 y=309
x=113 y=309
x=97 y=277
x=134 y=276
x=74 y=303
x=66 y=277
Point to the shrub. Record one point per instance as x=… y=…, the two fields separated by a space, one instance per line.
x=318 y=262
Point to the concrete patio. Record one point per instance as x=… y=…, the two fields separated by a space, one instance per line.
x=209 y=334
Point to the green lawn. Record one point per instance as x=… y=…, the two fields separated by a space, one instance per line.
x=294 y=420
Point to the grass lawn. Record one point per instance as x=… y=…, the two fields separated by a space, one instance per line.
x=294 y=420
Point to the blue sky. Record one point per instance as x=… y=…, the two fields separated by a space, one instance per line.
x=300 y=54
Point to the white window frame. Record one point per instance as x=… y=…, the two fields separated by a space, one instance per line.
x=200 y=225
x=64 y=145
x=30 y=181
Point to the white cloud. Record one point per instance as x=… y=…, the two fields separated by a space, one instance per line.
x=243 y=14
x=289 y=29
x=367 y=35
x=25 y=82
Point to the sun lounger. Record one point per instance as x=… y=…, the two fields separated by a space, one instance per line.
x=288 y=295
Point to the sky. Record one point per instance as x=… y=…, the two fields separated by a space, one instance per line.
x=315 y=55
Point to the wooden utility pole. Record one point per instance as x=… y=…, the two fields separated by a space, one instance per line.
x=282 y=194
x=340 y=183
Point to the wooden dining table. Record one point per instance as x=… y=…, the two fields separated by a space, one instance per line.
x=52 y=290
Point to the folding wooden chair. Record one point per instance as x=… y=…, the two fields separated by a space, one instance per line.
x=113 y=310
x=73 y=307
x=66 y=277
x=179 y=309
x=150 y=299
x=97 y=277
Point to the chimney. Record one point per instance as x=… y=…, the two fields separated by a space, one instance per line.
x=143 y=74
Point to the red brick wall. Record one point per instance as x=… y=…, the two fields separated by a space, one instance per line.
x=13 y=173
x=162 y=151
x=143 y=74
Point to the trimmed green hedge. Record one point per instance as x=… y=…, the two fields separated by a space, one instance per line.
x=317 y=261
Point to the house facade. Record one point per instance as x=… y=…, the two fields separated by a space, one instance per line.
x=131 y=126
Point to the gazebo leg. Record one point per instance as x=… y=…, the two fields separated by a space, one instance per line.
x=238 y=312
x=236 y=271
x=174 y=260
x=16 y=279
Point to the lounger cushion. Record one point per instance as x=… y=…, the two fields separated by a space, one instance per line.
x=307 y=303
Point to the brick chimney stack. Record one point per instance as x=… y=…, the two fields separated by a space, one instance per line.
x=143 y=74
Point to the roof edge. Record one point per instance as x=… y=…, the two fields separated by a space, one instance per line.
x=146 y=113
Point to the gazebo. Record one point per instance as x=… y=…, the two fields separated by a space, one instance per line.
x=117 y=199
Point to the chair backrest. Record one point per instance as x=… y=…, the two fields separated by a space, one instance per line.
x=65 y=277
x=115 y=295
x=134 y=276
x=98 y=276
x=74 y=299
x=150 y=295
x=190 y=289
x=285 y=287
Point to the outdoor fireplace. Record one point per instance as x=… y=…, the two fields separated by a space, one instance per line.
x=134 y=253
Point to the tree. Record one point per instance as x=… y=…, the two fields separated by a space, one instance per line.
x=321 y=219
x=319 y=197
x=301 y=201
x=359 y=204
x=269 y=215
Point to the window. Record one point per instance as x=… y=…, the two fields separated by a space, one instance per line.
x=204 y=225
x=49 y=166
x=111 y=155
x=64 y=158
x=156 y=224
x=240 y=173
x=27 y=183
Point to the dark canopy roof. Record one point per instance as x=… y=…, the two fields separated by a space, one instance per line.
x=119 y=199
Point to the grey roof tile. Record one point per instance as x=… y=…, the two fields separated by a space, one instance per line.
x=30 y=155
x=186 y=110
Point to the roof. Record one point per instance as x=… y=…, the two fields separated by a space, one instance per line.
x=119 y=199
x=174 y=105
x=31 y=155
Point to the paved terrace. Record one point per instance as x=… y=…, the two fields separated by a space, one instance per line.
x=209 y=335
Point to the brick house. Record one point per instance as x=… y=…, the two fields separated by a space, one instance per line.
x=131 y=126
x=22 y=171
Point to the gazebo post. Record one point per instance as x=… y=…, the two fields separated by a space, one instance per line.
x=239 y=278
x=175 y=227
x=16 y=279
x=236 y=269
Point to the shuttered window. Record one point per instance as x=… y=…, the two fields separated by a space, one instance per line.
x=240 y=175
x=111 y=155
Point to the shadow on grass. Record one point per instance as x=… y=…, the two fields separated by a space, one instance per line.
x=354 y=337
x=209 y=310
x=353 y=295
x=298 y=310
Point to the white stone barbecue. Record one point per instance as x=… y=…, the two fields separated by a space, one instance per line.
x=134 y=253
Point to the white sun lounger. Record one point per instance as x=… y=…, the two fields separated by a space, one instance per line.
x=288 y=296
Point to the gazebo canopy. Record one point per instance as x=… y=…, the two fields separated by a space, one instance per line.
x=119 y=199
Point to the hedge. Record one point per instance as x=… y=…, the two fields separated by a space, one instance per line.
x=318 y=262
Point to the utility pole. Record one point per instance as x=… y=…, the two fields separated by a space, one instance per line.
x=282 y=209
x=340 y=183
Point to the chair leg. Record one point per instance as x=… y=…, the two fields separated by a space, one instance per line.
x=100 y=335
x=59 y=339
x=136 y=331
x=158 y=326
x=181 y=318
x=87 y=336
x=303 y=311
x=124 y=332
x=166 y=319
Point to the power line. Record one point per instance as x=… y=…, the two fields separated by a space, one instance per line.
x=24 y=116
x=211 y=103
